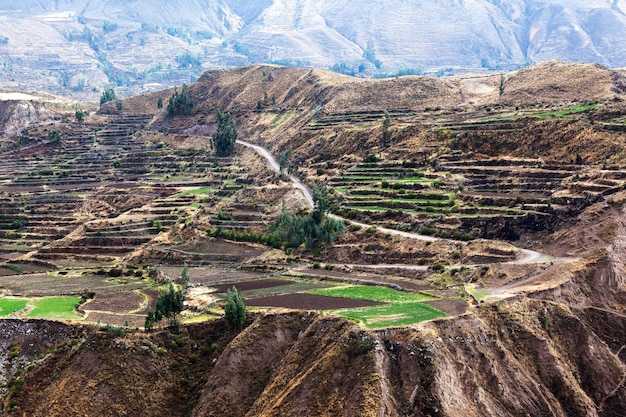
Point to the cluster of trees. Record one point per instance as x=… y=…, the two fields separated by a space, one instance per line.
x=188 y=60
x=293 y=229
x=312 y=229
x=180 y=102
x=168 y=305
x=226 y=134
x=268 y=239
x=107 y=95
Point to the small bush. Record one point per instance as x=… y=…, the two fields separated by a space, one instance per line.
x=116 y=330
x=371 y=158
x=438 y=267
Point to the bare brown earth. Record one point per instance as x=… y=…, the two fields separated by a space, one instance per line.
x=309 y=302
x=252 y=285
x=545 y=338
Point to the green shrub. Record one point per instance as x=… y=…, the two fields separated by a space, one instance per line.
x=371 y=158
x=107 y=95
x=116 y=330
x=438 y=267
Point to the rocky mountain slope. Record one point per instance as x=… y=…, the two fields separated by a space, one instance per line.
x=74 y=47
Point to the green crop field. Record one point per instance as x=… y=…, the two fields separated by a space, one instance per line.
x=371 y=293
x=403 y=308
x=198 y=191
x=391 y=315
x=9 y=305
x=55 y=308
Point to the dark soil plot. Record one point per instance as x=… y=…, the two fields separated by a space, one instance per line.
x=31 y=268
x=5 y=271
x=116 y=319
x=46 y=285
x=122 y=302
x=367 y=278
x=208 y=275
x=10 y=255
x=450 y=307
x=251 y=285
x=309 y=302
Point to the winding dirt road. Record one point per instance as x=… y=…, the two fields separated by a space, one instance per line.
x=526 y=256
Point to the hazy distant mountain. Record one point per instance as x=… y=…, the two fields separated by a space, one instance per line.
x=76 y=46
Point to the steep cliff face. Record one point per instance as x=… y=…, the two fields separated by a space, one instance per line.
x=18 y=114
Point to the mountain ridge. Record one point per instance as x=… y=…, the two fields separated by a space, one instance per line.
x=77 y=47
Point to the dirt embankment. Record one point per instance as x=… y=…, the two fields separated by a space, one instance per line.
x=522 y=357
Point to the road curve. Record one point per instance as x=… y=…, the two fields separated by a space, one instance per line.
x=275 y=166
x=526 y=256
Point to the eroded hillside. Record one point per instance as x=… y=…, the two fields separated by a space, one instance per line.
x=498 y=200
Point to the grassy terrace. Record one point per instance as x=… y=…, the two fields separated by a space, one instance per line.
x=55 y=308
x=565 y=113
x=400 y=308
x=461 y=190
x=10 y=305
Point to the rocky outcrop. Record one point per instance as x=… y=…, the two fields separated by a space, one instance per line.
x=18 y=114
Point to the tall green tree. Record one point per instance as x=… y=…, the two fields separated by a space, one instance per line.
x=226 y=134
x=283 y=161
x=107 y=95
x=169 y=304
x=235 y=309
x=150 y=320
x=386 y=140
x=321 y=205
x=184 y=277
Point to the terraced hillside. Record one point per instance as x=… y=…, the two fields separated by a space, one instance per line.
x=480 y=269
